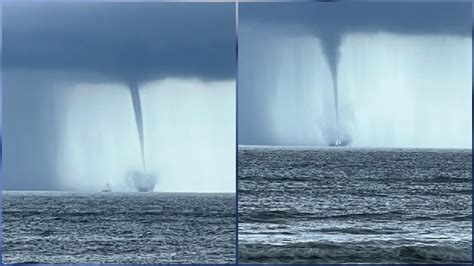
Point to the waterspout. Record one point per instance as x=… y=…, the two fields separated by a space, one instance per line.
x=137 y=107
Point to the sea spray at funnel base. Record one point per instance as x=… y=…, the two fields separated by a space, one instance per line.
x=142 y=182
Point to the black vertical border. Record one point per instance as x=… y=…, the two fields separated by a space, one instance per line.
x=237 y=253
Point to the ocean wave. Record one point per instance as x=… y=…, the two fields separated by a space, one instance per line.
x=277 y=216
x=462 y=218
x=354 y=231
x=346 y=253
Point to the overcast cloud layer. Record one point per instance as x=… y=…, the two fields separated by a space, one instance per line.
x=119 y=41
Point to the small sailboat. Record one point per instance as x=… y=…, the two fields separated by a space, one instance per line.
x=107 y=188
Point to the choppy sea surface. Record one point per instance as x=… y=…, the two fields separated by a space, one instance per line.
x=63 y=227
x=306 y=205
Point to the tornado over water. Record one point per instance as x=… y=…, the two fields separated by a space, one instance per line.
x=330 y=43
x=358 y=74
x=137 y=108
x=70 y=118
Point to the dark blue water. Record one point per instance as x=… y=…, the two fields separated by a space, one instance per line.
x=354 y=205
x=59 y=227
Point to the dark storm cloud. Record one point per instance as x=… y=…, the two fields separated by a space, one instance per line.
x=403 y=18
x=125 y=41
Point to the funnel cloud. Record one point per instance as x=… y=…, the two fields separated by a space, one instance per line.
x=137 y=107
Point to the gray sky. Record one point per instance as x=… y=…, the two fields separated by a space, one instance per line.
x=121 y=40
x=50 y=44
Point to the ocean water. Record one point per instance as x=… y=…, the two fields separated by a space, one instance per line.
x=62 y=227
x=307 y=205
